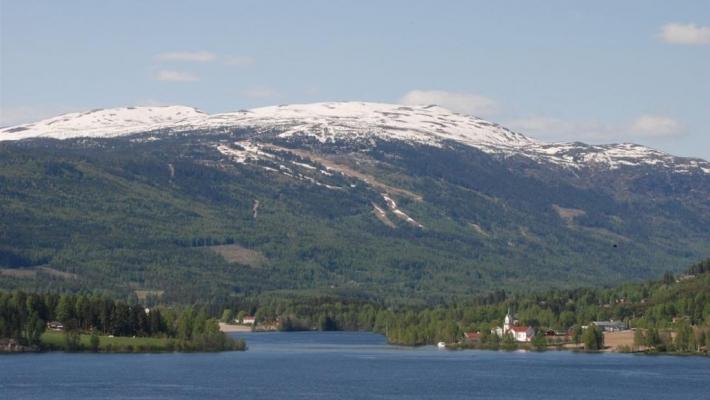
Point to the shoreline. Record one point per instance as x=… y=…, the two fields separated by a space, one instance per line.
x=85 y=343
x=232 y=328
x=573 y=349
x=449 y=347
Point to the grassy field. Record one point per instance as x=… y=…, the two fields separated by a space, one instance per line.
x=241 y=255
x=123 y=344
x=57 y=341
x=618 y=341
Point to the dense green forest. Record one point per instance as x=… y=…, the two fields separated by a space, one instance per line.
x=678 y=304
x=175 y=220
x=25 y=316
x=669 y=314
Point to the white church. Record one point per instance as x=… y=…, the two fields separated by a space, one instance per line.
x=510 y=327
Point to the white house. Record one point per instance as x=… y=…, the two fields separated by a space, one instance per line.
x=248 y=320
x=55 y=326
x=611 y=326
x=520 y=333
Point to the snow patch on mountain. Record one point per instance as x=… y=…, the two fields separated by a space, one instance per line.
x=331 y=122
x=399 y=213
x=612 y=156
x=245 y=152
x=353 y=121
x=109 y=122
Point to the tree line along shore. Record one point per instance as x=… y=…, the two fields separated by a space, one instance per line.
x=92 y=322
x=668 y=315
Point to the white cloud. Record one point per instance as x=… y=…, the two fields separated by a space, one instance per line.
x=459 y=102
x=240 y=61
x=194 y=56
x=551 y=128
x=261 y=93
x=656 y=126
x=557 y=129
x=175 y=76
x=685 y=34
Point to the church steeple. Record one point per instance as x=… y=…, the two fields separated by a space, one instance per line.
x=508 y=321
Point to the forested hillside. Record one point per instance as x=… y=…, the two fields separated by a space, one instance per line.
x=192 y=216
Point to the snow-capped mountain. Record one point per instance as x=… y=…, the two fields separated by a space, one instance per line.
x=369 y=197
x=353 y=121
x=110 y=122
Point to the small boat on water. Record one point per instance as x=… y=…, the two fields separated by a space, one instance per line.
x=441 y=345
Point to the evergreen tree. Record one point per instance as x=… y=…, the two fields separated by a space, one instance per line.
x=94 y=341
x=653 y=339
x=240 y=316
x=509 y=343
x=639 y=339
x=684 y=339
x=577 y=334
x=593 y=338
x=34 y=328
x=227 y=316
x=539 y=341
x=65 y=309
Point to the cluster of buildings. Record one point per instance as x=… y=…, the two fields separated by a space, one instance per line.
x=246 y=320
x=525 y=333
x=55 y=326
x=520 y=333
x=611 y=326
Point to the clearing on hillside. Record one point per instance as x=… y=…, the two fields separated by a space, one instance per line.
x=242 y=255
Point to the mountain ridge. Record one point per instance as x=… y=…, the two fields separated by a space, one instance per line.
x=353 y=121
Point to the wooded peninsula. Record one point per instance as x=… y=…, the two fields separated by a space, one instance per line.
x=92 y=322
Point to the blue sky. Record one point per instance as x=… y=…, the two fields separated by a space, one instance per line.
x=598 y=71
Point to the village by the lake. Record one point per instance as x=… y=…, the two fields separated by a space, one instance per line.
x=354 y=200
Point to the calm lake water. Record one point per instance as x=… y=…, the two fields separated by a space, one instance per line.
x=342 y=365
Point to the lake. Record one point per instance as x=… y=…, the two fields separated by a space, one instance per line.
x=348 y=365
